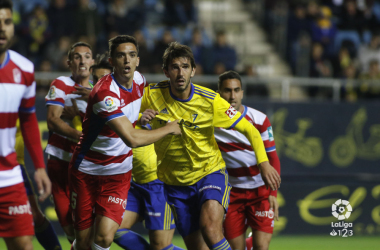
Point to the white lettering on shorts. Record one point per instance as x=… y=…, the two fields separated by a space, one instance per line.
x=21 y=209
x=269 y=214
x=209 y=187
x=118 y=201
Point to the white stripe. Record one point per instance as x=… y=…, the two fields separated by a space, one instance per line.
x=246 y=182
x=265 y=135
x=110 y=146
x=111 y=169
x=131 y=110
x=67 y=80
x=238 y=159
x=11 y=177
x=115 y=88
x=11 y=95
x=101 y=106
x=30 y=91
x=81 y=104
x=7 y=141
x=59 y=153
x=23 y=63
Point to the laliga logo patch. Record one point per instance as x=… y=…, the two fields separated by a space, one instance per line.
x=17 y=75
x=110 y=104
x=344 y=209
x=231 y=112
x=52 y=92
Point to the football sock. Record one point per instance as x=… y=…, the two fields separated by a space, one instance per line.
x=46 y=236
x=221 y=245
x=129 y=240
x=97 y=247
x=172 y=247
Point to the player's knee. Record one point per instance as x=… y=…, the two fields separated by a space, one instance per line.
x=104 y=240
x=262 y=245
x=210 y=227
x=157 y=244
x=82 y=243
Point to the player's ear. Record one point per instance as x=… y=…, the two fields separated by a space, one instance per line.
x=193 y=72
x=166 y=73
x=138 y=61
x=68 y=62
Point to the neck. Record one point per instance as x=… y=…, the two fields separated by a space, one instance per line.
x=123 y=81
x=2 y=56
x=241 y=109
x=82 y=81
x=183 y=95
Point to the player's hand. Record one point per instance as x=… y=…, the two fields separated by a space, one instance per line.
x=69 y=112
x=273 y=205
x=147 y=116
x=174 y=127
x=43 y=184
x=270 y=176
x=84 y=92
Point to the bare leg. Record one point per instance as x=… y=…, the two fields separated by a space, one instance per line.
x=261 y=240
x=19 y=243
x=238 y=243
x=160 y=238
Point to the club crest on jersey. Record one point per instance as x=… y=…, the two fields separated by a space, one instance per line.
x=17 y=75
x=110 y=103
x=52 y=92
x=270 y=133
x=164 y=111
x=231 y=112
x=138 y=92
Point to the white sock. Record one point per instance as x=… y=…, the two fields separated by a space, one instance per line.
x=75 y=244
x=97 y=247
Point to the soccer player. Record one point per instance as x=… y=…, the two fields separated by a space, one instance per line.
x=100 y=167
x=101 y=67
x=63 y=136
x=146 y=201
x=251 y=203
x=17 y=91
x=44 y=231
x=191 y=166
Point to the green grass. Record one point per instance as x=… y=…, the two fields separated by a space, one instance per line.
x=280 y=243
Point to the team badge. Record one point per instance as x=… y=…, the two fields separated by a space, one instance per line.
x=195 y=117
x=164 y=111
x=231 y=112
x=17 y=75
x=52 y=92
x=110 y=104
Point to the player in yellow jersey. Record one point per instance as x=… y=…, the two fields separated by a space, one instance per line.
x=44 y=231
x=191 y=166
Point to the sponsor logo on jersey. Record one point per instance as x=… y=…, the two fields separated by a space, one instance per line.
x=164 y=111
x=17 y=75
x=270 y=133
x=269 y=214
x=119 y=201
x=231 y=112
x=52 y=92
x=110 y=104
x=153 y=214
x=209 y=187
x=21 y=209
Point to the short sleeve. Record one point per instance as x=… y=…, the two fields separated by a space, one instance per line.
x=106 y=105
x=56 y=94
x=29 y=96
x=225 y=116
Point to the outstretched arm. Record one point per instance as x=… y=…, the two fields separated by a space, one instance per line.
x=56 y=124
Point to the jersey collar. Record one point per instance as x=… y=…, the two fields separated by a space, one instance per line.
x=245 y=111
x=181 y=100
x=122 y=87
x=6 y=60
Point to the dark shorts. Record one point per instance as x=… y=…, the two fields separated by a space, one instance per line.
x=186 y=201
x=149 y=201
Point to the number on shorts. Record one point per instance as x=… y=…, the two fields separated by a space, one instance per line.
x=73 y=200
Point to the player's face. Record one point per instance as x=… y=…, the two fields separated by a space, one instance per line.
x=81 y=61
x=99 y=73
x=6 y=29
x=231 y=91
x=180 y=72
x=125 y=61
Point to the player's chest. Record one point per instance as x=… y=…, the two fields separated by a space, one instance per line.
x=11 y=95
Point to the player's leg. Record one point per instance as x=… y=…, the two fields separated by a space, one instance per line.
x=195 y=241
x=234 y=224
x=19 y=243
x=58 y=174
x=260 y=240
x=214 y=195
x=45 y=233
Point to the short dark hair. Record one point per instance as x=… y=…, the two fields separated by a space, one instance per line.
x=229 y=75
x=113 y=43
x=101 y=62
x=6 y=4
x=176 y=50
x=78 y=44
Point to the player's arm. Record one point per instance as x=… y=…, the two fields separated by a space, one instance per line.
x=32 y=140
x=56 y=124
x=137 y=137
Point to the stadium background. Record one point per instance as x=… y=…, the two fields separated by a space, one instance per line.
x=302 y=64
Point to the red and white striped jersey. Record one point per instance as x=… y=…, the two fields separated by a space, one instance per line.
x=17 y=94
x=238 y=154
x=61 y=94
x=100 y=150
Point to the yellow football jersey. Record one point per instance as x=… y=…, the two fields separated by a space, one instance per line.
x=184 y=160
x=19 y=145
x=144 y=163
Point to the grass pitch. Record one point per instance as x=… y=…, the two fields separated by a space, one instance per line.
x=278 y=243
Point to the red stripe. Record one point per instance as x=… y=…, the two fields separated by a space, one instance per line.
x=229 y=147
x=61 y=100
x=107 y=131
x=8 y=162
x=8 y=120
x=244 y=171
x=62 y=143
x=28 y=103
x=101 y=159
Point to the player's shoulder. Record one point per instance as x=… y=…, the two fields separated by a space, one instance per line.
x=66 y=80
x=160 y=85
x=138 y=78
x=106 y=86
x=204 y=92
x=257 y=116
x=21 y=62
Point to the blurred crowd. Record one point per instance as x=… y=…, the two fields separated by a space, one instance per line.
x=46 y=29
x=334 y=39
